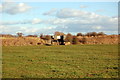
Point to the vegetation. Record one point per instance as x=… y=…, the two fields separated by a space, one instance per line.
x=79 y=34
x=69 y=38
x=56 y=33
x=101 y=34
x=83 y=40
x=20 y=34
x=47 y=37
x=7 y=35
x=91 y=34
x=75 y=40
x=31 y=36
x=72 y=61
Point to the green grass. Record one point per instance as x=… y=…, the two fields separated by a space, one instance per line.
x=72 y=61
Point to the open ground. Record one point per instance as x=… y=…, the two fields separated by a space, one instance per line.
x=59 y=61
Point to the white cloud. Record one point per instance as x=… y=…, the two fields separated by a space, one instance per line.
x=97 y=27
x=8 y=29
x=100 y=10
x=32 y=21
x=83 y=6
x=52 y=11
x=74 y=13
x=73 y=20
x=36 y=21
x=14 y=8
x=0 y=8
x=69 y=20
x=14 y=29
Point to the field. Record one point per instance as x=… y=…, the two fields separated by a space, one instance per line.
x=71 y=61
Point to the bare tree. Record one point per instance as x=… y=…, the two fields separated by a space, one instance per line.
x=42 y=36
x=101 y=34
x=89 y=34
x=69 y=38
x=79 y=34
x=20 y=34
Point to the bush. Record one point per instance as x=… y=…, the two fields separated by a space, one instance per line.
x=31 y=36
x=101 y=34
x=47 y=37
x=75 y=40
x=88 y=34
x=84 y=40
x=79 y=34
x=69 y=38
x=58 y=33
x=91 y=34
x=41 y=36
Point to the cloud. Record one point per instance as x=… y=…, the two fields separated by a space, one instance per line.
x=52 y=11
x=75 y=13
x=68 y=20
x=36 y=21
x=83 y=17
x=5 y=29
x=83 y=6
x=73 y=20
x=32 y=21
x=97 y=27
x=100 y=10
x=0 y=8
x=13 y=8
x=10 y=29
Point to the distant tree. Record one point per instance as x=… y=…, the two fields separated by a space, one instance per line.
x=75 y=40
x=79 y=34
x=35 y=35
x=42 y=36
x=6 y=35
x=101 y=34
x=47 y=37
x=93 y=34
x=88 y=34
x=69 y=38
x=20 y=34
x=58 y=33
x=31 y=35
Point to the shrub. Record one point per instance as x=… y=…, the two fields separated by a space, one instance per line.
x=79 y=34
x=58 y=33
x=91 y=34
x=88 y=34
x=69 y=38
x=47 y=37
x=75 y=40
x=41 y=36
x=31 y=36
x=84 y=40
x=101 y=34
x=94 y=34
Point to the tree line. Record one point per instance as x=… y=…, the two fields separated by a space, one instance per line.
x=74 y=39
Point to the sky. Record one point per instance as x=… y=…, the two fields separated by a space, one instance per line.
x=67 y=17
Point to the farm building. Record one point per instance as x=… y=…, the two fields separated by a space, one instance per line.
x=57 y=39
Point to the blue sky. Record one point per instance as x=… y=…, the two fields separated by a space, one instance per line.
x=48 y=17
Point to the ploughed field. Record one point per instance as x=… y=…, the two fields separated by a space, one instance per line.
x=71 y=61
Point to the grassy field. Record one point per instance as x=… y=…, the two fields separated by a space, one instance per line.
x=72 y=61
